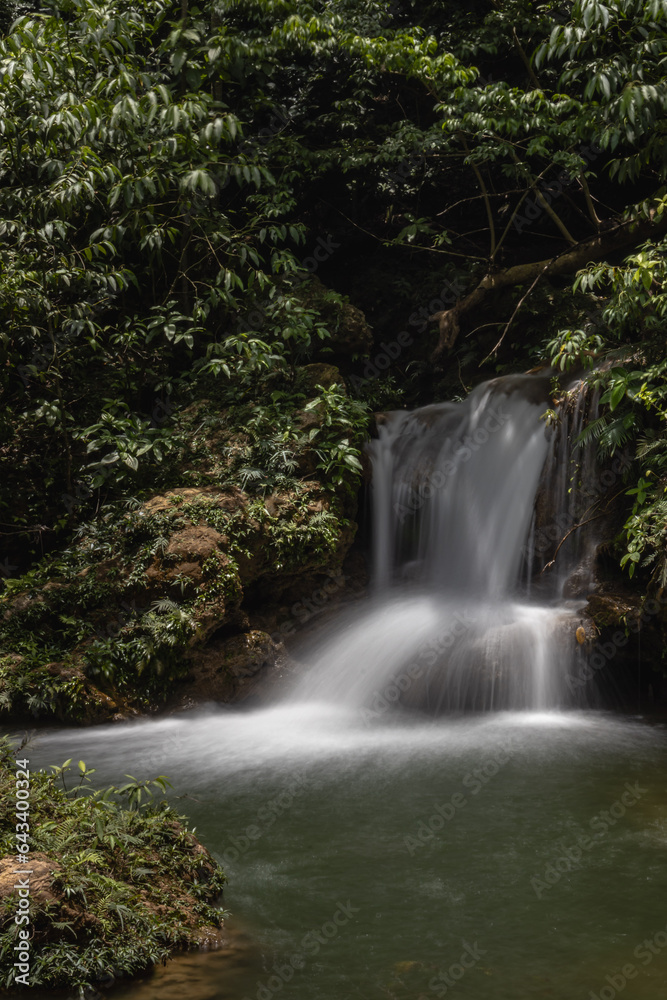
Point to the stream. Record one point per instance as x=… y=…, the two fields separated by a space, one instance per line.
x=372 y=854
x=432 y=808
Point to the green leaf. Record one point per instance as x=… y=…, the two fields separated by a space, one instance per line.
x=617 y=394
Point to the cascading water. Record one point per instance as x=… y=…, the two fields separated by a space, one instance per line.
x=451 y=625
x=572 y=492
x=367 y=851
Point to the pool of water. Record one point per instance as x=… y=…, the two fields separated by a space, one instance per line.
x=506 y=856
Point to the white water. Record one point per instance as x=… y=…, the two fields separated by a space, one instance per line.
x=310 y=805
x=451 y=625
x=333 y=795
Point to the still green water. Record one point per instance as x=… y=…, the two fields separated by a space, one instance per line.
x=482 y=858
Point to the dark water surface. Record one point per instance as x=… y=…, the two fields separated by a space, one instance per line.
x=510 y=856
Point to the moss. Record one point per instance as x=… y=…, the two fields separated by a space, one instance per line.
x=119 y=881
x=612 y=611
x=107 y=624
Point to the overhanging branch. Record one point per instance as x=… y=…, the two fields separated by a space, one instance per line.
x=620 y=236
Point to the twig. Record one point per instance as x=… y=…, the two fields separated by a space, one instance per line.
x=581 y=524
x=526 y=60
x=487 y=203
x=566 y=536
x=518 y=306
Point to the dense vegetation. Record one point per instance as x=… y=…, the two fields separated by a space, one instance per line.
x=171 y=178
x=118 y=881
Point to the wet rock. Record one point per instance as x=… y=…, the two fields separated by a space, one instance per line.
x=578 y=584
x=245 y=655
x=42 y=869
x=223 y=669
x=608 y=611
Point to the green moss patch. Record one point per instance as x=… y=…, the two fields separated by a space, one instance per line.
x=119 y=880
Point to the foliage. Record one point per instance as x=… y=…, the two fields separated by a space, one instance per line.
x=131 y=883
x=87 y=624
x=631 y=377
x=138 y=233
x=172 y=175
x=337 y=414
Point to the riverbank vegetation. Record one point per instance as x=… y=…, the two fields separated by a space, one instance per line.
x=117 y=880
x=231 y=231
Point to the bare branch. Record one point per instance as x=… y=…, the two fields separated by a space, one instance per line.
x=623 y=234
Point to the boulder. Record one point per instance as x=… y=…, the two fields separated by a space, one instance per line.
x=197 y=543
x=42 y=870
x=349 y=329
x=224 y=668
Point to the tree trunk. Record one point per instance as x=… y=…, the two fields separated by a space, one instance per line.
x=620 y=236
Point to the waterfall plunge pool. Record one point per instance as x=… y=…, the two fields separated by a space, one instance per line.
x=505 y=856
x=373 y=852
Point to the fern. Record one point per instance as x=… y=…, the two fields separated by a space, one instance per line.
x=322 y=519
x=649 y=443
x=610 y=433
x=164 y=605
x=67 y=833
x=248 y=475
x=87 y=857
x=160 y=546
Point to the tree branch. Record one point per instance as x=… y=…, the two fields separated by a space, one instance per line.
x=487 y=203
x=620 y=236
x=589 y=201
x=526 y=61
x=555 y=218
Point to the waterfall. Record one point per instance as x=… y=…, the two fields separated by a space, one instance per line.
x=570 y=492
x=461 y=481
x=454 y=621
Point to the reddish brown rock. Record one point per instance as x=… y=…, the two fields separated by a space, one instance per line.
x=41 y=869
x=198 y=543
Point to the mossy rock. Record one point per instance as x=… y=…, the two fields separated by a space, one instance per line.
x=117 y=635
x=117 y=884
x=612 y=611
